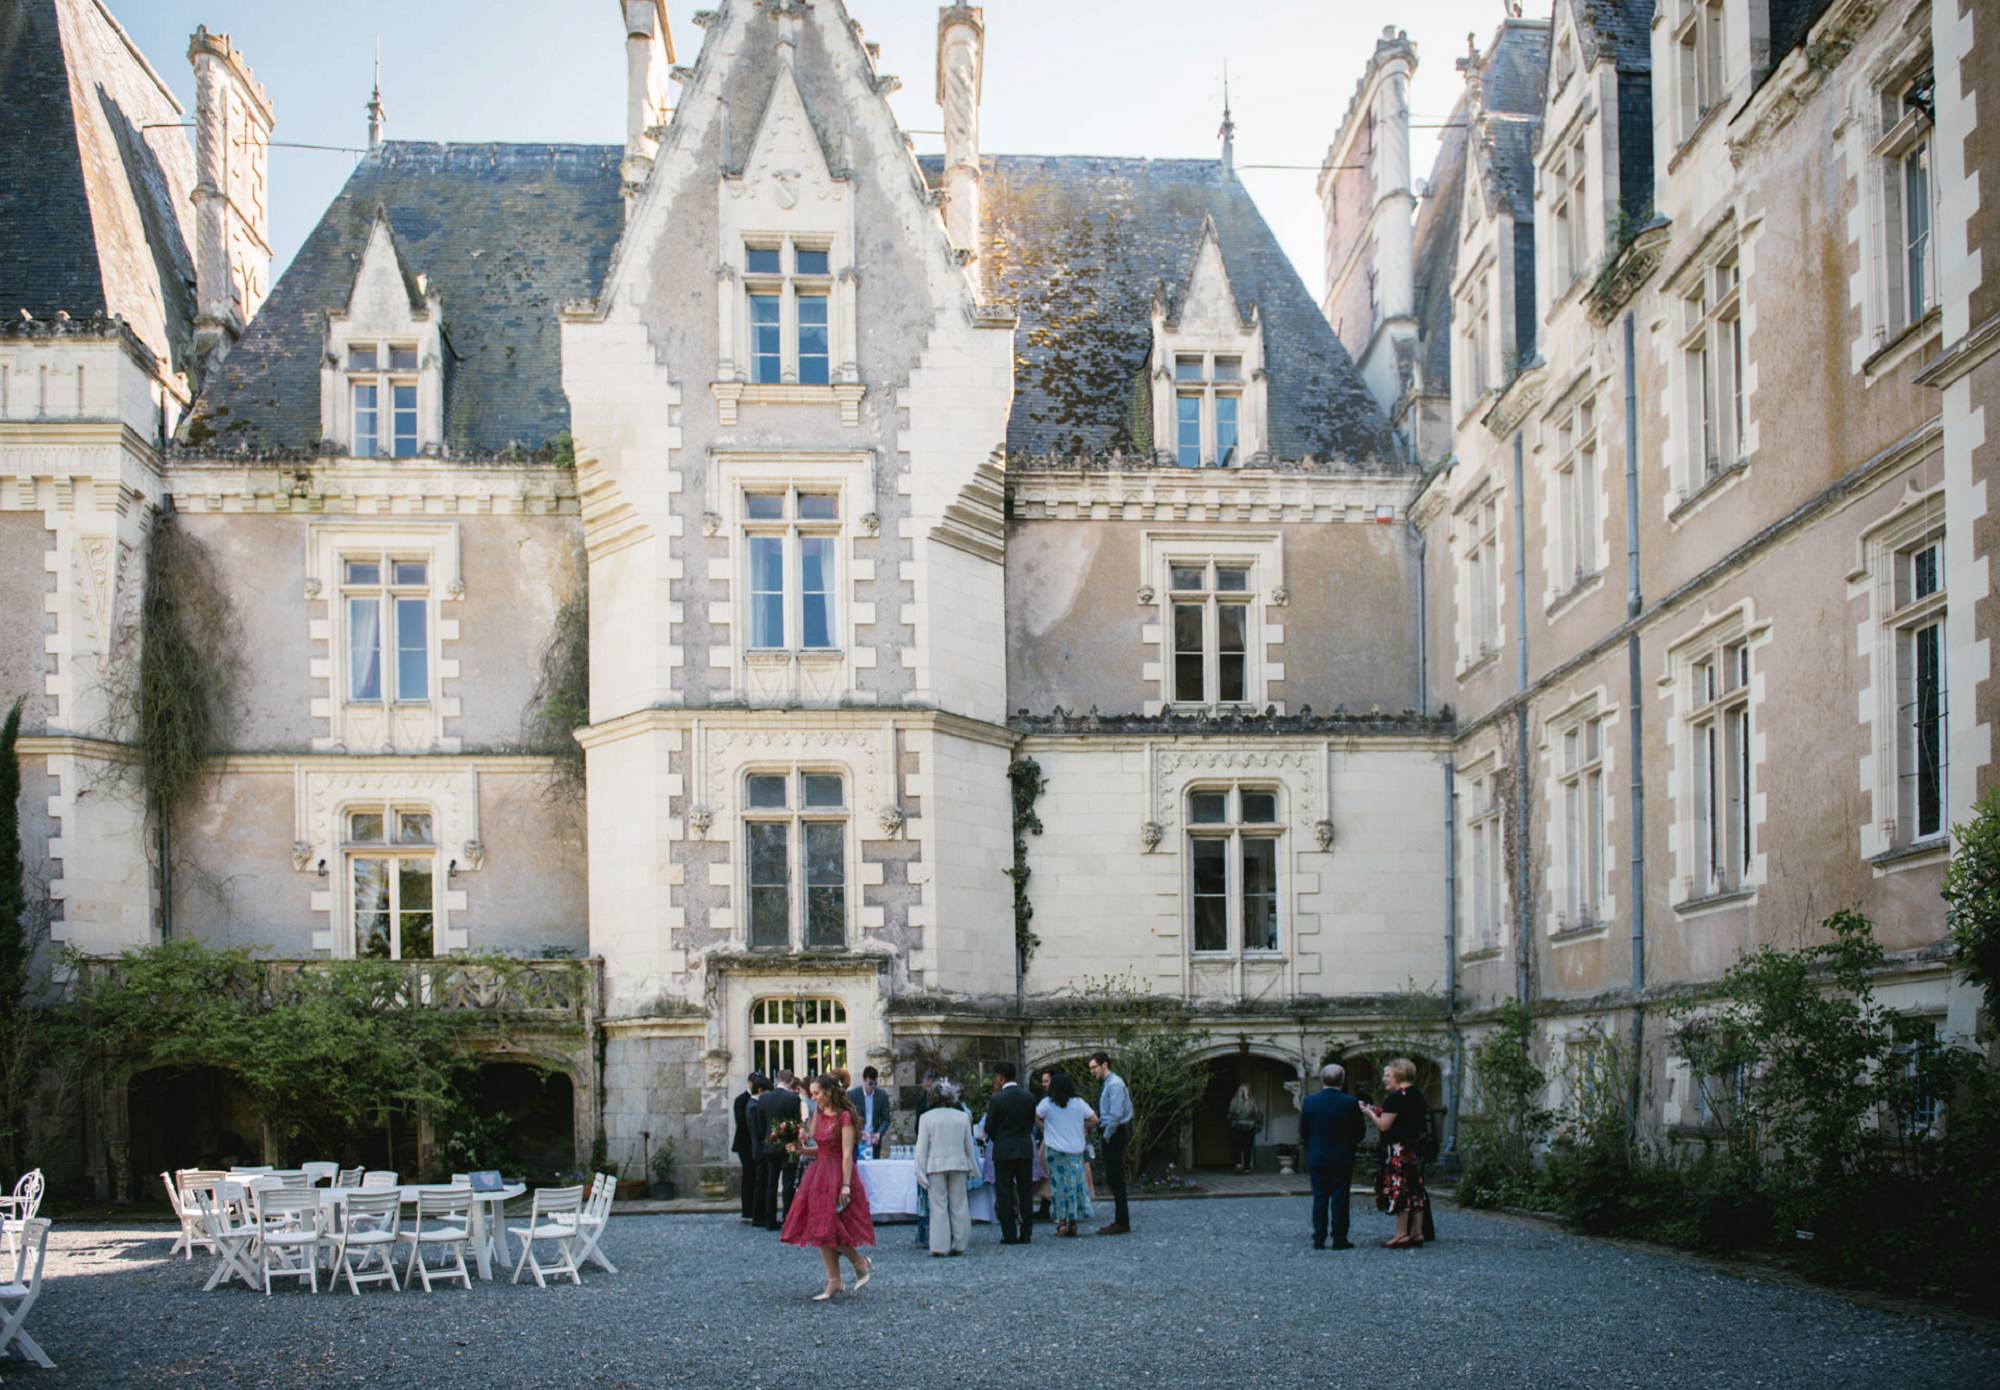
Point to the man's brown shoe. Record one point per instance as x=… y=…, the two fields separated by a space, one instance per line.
x=1114 y=1229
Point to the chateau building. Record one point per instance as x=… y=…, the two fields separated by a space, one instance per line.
x=905 y=503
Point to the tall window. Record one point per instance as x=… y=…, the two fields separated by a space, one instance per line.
x=805 y=1036
x=1920 y=690
x=382 y=393
x=1211 y=628
x=1233 y=839
x=386 y=600
x=1208 y=407
x=1916 y=1044
x=1712 y=358
x=1909 y=200
x=1719 y=737
x=1572 y=216
x=1699 y=51
x=795 y=867
x=392 y=873
x=1476 y=340
x=1582 y=780
x=1576 y=496
x=791 y=537
x=789 y=288
x=1485 y=903
x=1482 y=560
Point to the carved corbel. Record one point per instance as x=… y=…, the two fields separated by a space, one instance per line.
x=1146 y=595
x=472 y=855
x=699 y=818
x=711 y=524
x=302 y=855
x=891 y=821
x=871 y=524
x=1323 y=834
x=1281 y=596
x=1150 y=835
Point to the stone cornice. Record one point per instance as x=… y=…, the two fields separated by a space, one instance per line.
x=1802 y=72
x=1517 y=401
x=681 y=717
x=1982 y=343
x=1207 y=494
x=378 y=488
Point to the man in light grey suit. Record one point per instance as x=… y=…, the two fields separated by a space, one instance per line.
x=874 y=1110
x=946 y=1160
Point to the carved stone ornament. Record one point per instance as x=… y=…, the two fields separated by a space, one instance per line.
x=312 y=587
x=1146 y=595
x=1150 y=835
x=699 y=818
x=715 y=1064
x=1323 y=834
x=302 y=855
x=711 y=524
x=1281 y=596
x=891 y=820
x=455 y=591
x=473 y=856
x=871 y=524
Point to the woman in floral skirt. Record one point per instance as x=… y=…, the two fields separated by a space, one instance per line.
x=1403 y=1117
x=830 y=1211
x=1066 y=1124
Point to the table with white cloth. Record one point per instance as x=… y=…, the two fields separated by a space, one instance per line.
x=892 y=1189
x=487 y=1233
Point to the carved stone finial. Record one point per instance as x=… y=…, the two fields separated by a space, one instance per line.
x=699 y=818
x=1150 y=835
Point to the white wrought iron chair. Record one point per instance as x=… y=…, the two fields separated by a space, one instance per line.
x=19 y=1209
x=553 y=1217
x=444 y=1223
x=290 y=1231
x=318 y=1173
x=18 y=1295
x=349 y=1177
x=231 y=1235
x=369 y=1224
x=380 y=1177
x=592 y=1220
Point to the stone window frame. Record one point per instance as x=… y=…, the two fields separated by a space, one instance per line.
x=1263 y=554
x=1710 y=319
x=1701 y=64
x=833 y=1031
x=393 y=847
x=1590 y=708
x=1236 y=830
x=1480 y=545
x=383 y=373
x=1575 y=548
x=382 y=726
x=1484 y=926
x=1717 y=638
x=1893 y=127
x=1208 y=388
x=323 y=794
x=796 y=814
x=790 y=285
x=1569 y=210
x=405 y=326
x=1917 y=522
x=1473 y=310
x=1209 y=325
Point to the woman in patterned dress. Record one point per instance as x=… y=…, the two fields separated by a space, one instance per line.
x=1402 y=1118
x=1066 y=1122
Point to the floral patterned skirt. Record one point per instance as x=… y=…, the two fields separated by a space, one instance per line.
x=1399 y=1184
x=1071 y=1199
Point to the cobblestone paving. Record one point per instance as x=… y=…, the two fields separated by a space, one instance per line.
x=1223 y=1293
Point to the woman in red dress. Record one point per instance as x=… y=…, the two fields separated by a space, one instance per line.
x=831 y=1208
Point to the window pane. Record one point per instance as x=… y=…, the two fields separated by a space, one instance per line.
x=370 y=879
x=365 y=827
x=819 y=506
x=1260 y=894
x=1187 y=652
x=363 y=572
x=764 y=506
x=1232 y=624
x=1229 y=369
x=822 y=789
x=761 y=260
x=1188 y=368
x=1211 y=893
x=767 y=591
x=826 y=879
x=766 y=350
x=413 y=827
x=816 y=592
x=409 y=571
x=811 y=262
x=1924 y=573
x=1225 y=430
x=1232 y=581
x=402 y=358
x=813 y=358
x=1188 y=431
x=1208 y=808
x=1917 y=220
x=1260 y=808
x=767 y=793
x=364 y=649
x=413 y=888
x=361 y=359
x=1192 y=578
x=405 y=397
x=770 y=878
x=413 y=651
x=366 y=420
x=1929 y=729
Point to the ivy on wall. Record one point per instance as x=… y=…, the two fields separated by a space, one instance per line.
x=561 y=702
x=1026 y=776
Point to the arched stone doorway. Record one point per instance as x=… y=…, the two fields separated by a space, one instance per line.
x=1272 y=1085
x=515 y=1116
x=188 y=1117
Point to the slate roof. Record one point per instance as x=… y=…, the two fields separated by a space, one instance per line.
x=94 y=211
x=1625 y=27
x=1790 y=21
x=504 y=234
x=1081 y=245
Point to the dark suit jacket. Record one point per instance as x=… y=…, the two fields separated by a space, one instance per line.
x=1010 y=1124
x=774 y=1105
x=1331 y=1124
x=744 y=1144
x=885 y=1111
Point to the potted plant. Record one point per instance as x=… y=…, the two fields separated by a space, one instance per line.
x=715 y=1182
x=1288 y=1158
x=663 y=1171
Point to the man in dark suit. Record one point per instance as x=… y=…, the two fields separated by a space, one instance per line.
x=744 y=1143
x=778 y=1103
x=1010 y=1129
x=873 y=1111
x=1331 y=1124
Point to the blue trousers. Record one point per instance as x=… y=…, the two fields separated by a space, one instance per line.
x=1330 y=1187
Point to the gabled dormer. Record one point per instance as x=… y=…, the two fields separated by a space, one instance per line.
x=1209 y=398
x=382 y=375
x=785 y=291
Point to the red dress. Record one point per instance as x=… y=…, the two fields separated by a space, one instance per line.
x=813 y=1219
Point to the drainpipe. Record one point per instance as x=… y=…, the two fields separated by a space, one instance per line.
x=1451 y=955
x=1416 y=533
x=1524 y=940
x=1634 y=601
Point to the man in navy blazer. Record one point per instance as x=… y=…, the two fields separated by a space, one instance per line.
x=1331 y=1124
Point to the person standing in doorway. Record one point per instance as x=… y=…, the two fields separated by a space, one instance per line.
x=872 y=1104
x=1010 y=1130
x=744 y=1143
x=1245 y=1119
x=1114 y=1119
x=1331 y=1124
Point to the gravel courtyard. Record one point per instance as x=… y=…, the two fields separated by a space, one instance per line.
x=1220 y=1292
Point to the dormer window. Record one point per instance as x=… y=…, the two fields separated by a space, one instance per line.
x=382 y=396
x=789 y=287
x=1208 y=406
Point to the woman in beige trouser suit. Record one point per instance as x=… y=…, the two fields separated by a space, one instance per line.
x=945 y=1160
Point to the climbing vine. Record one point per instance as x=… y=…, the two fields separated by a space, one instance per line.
x=1026 y=776
x=561 y=702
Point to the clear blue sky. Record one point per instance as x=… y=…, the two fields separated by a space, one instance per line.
x=1127 y=77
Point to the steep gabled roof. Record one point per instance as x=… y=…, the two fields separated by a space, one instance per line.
x=1081 y=246
x=94 y=210
x=1623 y=28
x=503 y=233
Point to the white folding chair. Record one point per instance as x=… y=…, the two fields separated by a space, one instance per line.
x=379 y=1177
x=318 y=1173
x=369 y=1225
x=553 y=1217
x=17 y=1297
x=290 y=1232
x=293 y=1178
x=590 y=1223
x=348 y=1177
x=444 y=1222
x=251 y=1170
x=233 y=1238
x=19 y=1209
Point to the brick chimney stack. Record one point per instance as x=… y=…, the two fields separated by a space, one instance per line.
x=232 y=140
x=649 y=61
x=961 y=58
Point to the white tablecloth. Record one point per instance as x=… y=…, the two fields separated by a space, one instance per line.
x=892 y=1189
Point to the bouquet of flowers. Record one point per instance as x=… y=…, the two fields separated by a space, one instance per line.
x=785 y=1133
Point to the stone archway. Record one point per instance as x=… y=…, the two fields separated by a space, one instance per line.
x=1273 y=1083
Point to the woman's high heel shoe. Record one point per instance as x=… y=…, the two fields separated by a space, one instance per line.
x=866 y=1272
x=824 y=1294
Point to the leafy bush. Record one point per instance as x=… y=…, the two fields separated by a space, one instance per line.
x=1507 y=1122
x=1972 y=898
x=1155 y=1046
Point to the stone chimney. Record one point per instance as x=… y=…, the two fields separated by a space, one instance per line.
x=232 y=143
x=961 y=57
x=649 y=62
